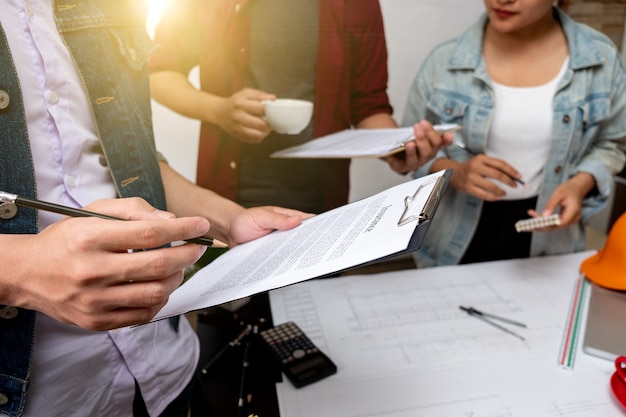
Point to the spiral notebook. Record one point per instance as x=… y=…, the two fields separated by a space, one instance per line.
x=528 y=225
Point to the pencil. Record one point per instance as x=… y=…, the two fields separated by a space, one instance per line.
x=75 y=212
x=244 y=365
x=471 y=152
x=235 y=342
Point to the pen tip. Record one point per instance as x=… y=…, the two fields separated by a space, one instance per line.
x=218 y=244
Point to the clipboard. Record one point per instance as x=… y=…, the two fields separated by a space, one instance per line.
x=423 y=218
x=373 y=229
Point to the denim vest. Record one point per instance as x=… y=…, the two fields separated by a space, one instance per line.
x=588 y=131
x=109 y=44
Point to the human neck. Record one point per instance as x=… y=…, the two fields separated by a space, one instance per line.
x=538 y=33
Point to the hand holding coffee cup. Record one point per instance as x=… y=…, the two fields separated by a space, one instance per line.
x=288 y=116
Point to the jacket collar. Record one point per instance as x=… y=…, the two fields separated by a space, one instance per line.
x=582 y=50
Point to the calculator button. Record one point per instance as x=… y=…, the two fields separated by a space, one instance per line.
x=298 y=353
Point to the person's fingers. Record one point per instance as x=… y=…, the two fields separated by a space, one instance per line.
x=152 y=264
x=133 y=208
x=89 y=233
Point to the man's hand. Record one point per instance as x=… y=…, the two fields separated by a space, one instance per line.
x=93 y=272
x=419 y=151
x=241 y=115
x=255 y=222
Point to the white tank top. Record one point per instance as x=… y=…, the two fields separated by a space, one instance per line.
x=521 y=131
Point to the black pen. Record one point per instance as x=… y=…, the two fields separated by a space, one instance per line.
x=244 y=366
x=230 y=344
x=471 y=152
x=484 y=317
x=75 y=212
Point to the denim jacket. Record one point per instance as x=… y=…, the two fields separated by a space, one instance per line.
x=116 y=80
x=588 y=133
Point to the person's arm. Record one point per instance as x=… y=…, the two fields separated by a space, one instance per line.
x=240 y=115
x=80 y=271
x=175 y=91
x=230 y=222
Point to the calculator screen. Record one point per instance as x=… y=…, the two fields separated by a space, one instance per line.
x=316 y=360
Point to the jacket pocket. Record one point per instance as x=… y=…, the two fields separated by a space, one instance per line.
x=447 y=109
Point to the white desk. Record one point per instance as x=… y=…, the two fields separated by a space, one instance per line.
x=404 y=348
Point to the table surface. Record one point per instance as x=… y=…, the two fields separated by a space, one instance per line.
x=491 y=392
x=404 y=348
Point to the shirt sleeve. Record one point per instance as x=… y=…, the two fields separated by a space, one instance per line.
x=368 y=54
x=608 y=154
x=179 y=37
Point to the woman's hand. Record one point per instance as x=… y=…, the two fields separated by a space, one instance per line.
x=569 y=197
x=475 y=176
x=422 y=149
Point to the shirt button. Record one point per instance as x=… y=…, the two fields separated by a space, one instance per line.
x=448 y=110
x=566 y=118
x=70 y=180
x=8 y=313
x=558 y=169
x=7 y=211
x=3 y=399
x=4 y=99
x=53 y=97
x=233 y=165
x=29 y=9
x=242 y=50
x=237 y=7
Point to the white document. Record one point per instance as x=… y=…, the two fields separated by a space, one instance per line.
x=403 y=348
x=357 y=143
x=349 y=236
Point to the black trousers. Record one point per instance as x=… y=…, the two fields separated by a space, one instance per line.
x=495 y=237
x=178 y=408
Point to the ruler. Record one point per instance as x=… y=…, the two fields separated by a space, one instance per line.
x=569 y=340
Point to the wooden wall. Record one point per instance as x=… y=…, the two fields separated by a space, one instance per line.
x=608 y=16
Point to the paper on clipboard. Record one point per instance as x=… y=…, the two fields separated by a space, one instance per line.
x=357 y=143
x=387 y=224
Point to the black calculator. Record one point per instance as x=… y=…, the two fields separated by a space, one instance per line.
x=300 y=360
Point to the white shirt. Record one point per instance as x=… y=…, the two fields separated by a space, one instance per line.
x=521 y=131
x=76 y=372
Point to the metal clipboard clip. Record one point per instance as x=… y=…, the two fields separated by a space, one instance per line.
x=429 y=207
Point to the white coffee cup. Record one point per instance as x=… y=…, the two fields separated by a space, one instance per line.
x=288 y=116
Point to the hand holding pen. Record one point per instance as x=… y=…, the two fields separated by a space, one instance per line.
x=80 y=271
x=475 y=176
x=513 y=177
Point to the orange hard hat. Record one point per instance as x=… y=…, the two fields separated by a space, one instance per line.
x=607 y=268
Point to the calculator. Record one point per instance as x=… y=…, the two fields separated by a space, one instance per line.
x=300 y=360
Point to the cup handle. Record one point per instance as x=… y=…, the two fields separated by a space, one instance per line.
x=621 y=371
